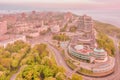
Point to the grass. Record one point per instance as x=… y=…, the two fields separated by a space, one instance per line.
x=85 y=71
x=70 y=64
x=106 y=28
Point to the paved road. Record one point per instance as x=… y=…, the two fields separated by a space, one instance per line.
x=15 y=75
x=59 y=59
x=114 y=76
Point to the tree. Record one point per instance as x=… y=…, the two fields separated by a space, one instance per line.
x=60 y=76
x=48 y=72
x=40 y=48
x=30 y=60
x=6 y=62
x=14 y=63
x=30 y=73
x=2 y=77
x=105 y=42
x=76 y=77
x=50 y=78
x=46 y=61
x=61 y=37
x=6 y=54
x=58 y=69
x=17 y=46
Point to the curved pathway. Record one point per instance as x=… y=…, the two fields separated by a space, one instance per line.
x=60 y=62
x=114 y=76
x=13 y=77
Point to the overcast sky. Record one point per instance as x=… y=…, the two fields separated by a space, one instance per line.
x=73 y=4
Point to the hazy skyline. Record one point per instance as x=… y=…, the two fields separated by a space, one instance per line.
x=103 y=10
x=61 y=4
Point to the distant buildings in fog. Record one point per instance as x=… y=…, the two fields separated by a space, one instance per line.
x=3 y=27
x=11 y=39
x=5 y=38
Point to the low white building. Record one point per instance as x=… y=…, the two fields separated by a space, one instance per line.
x=35 y=34
x=12 y=40
x=100 y=55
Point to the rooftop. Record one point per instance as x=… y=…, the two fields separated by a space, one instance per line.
x=82 y=49
x=99 y=50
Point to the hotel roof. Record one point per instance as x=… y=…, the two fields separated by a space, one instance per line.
x=99 y=50
x=83 y=49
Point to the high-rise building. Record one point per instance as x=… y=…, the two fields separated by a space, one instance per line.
x=85 y=23
x=3 y=27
